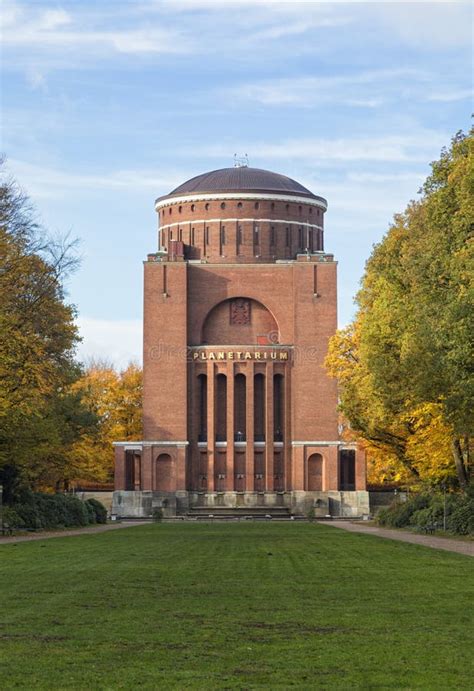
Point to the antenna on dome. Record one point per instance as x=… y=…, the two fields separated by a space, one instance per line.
x=241 y=161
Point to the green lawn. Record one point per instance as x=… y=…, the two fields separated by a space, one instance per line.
x=234 y=606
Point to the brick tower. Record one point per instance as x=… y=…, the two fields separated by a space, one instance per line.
x=239 y=305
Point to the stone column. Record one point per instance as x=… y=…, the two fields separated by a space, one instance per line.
x=119 y=474
x=193 y=450
x=211 y=425
x=287 y=429
x=360 y=469
x=147 y=460
x=230 y=487
x=249 y=456
x=180 y=462
x=269 y=453
x=137 y=468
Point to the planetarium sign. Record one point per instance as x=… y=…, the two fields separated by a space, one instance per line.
x=242 y=355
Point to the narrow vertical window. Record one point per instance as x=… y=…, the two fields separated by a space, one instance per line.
x=165 y=281
x=287 y=236
x=272 y=235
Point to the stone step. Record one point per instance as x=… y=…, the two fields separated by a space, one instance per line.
x=239 y=511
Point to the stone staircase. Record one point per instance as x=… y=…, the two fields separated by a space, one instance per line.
x=240 y=512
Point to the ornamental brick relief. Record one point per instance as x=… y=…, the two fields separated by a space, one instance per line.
x=240 y=312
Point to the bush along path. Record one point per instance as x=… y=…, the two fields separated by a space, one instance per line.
x=38 y=511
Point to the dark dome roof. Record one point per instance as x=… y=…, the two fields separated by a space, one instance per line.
x=241 y=179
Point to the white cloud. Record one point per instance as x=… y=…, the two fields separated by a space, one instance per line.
x=448 y=96
x=438 y=25
x=368 y=88
x=56 y=29
x=278 y=31
x=401 y=148
x=45 y=182
x=118 y=341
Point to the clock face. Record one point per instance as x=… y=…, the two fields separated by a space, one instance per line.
x=240 y=311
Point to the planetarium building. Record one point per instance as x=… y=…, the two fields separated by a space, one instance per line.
x=240 y=417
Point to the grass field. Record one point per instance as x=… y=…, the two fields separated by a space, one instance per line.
x=234 y=606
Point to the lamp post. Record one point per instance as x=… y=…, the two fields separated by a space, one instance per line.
x=444 y=506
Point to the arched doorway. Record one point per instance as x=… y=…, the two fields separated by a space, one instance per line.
x=315 y=473
x=164 y=473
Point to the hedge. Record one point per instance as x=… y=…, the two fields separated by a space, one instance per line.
x=37 y=511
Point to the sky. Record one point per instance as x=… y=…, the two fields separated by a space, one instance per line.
x=107 y=105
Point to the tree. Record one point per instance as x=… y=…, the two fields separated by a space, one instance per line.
x=115 y=398
x=405 y=364
x=37 y=326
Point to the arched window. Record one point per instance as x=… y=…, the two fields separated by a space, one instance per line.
x=223 y=205
x=315 y=473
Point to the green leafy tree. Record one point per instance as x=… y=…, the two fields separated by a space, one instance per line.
x=408 y=356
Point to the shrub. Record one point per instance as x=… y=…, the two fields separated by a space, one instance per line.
x=100 y=512
x=423 y=510
x=157 y=514
x=30 y=516
x=50 y=511
x=398 y=514
x=12 y=519
x=90 y=512
x=461 y=519
x=77 y=513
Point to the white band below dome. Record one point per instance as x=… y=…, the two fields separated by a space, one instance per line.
x=192 y=222
x=318 y=202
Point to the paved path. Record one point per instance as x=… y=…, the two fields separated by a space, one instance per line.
x=70 y=533
x=460 y=546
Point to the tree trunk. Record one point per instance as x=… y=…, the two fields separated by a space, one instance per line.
x=459 y=463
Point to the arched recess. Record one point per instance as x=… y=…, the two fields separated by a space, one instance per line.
x=202 y=407
x=221 y=407
x=278 y=407
x=315 y=473
x=240 y=408
x=164 y=473
x=240 y=321
x=259 y=407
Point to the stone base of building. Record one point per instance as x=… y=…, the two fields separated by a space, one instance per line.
x=141 y=504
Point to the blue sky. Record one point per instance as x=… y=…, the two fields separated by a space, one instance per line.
x=107 y=105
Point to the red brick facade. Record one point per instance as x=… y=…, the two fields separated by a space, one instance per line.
x=239 y=305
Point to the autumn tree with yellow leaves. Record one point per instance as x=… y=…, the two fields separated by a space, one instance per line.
x=405 y=364
x=57 y=420
x=115 y=398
